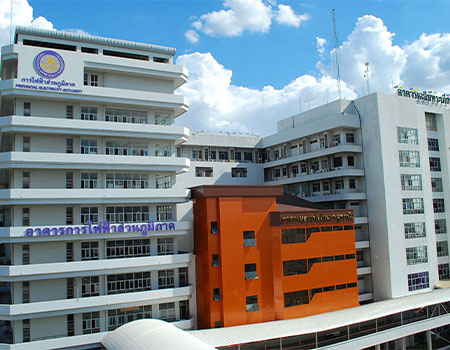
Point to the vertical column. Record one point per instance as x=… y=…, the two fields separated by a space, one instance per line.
x=429 y=341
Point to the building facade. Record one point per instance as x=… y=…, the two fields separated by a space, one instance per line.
x=89 y=236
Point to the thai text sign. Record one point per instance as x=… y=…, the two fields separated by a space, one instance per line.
x=316 y=218
x=424 y=96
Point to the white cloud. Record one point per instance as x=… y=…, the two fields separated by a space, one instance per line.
x=254 y=16
x=287 y=16
x=76 y=31
x=192 y=36
x=22 y=15
x=320 y=43
x=217 y=104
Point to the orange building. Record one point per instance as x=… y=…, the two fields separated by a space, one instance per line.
x=262 y=256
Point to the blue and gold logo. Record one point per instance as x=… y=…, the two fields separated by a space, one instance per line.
x=49 y=64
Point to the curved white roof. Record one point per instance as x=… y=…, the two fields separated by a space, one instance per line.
x=152 y=334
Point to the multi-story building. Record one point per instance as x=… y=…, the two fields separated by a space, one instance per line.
x=87 y=200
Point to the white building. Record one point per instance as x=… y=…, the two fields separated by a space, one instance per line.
x=87 y=203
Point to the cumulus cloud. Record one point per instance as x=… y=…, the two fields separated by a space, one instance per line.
x=320 y=43
x=217 y=104
x=287 y=16
x=22 y=14
x=192 y=36
x=237 y=16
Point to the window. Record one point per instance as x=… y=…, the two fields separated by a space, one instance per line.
x=303 y=168
x=293 y=235
x=436 y=184
x=90 y=286
x=124 y=180
x=197 y=154
x=316 y=187
x=70 y=325
x=249 y=239
x=166 y=279
x=215 y=260
x=91 y=322
x=203 y=172
x=89 y=214
x=118 y=317
x=418 y=281
x=336 y=139
x=165 y=246
x=409 y=159
x=352 y=183
x=416 y=255
x=126 y=116
x=126 y=148
x=337 y=162
x=339 y=184
x=438 y=205
x=326 y=186
x=88 y=113
x=117 y=215
x=296 y=298
x=26 y=331
x=252 y=303
x=25 y=254
x=69 y=215
x=433 y=145
x=413 y=206
x=163 y=213
x=250 y=272
x=88 y=180
x=69 y=112
x=430 y=120
x=214 y=227
x=216 y=294
x=70 y=284
x=25 y=179
x=69 y=251
x=25 y=292
x=90 y=79
x=415 y=230
x=163 y=151
x=27 y=109
x=26 y=144
x=167 y=312
x=248 y=156
x=407 y=135
x=25 y=216
x=223 y=155
x=69 y=145
x=277 y=173
x=213 y=155
x=128 y=283
x=351 y=161
x=442 y=248
x=183 y=277
x=69 y=180
x=295 y=267
x=88 y=146
x=217 y=324
x=440 y=226
x=89 y=250
x=443 y=270
x=349 y=138
x=164 y=181
x=315 y=166
x=162 y=119
x=239 y=172
x=411 y=182
x=435 y=164
x=129 y=248
x=184 y=310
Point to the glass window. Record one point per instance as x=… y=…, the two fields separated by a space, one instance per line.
x=184 y=310
x=295 y=267
x=337 y=162
x=129 y=248
x=88 y=146
x=26 y=144
x=438 y=205
x=407 y=135
x=409 y=159
x=88 y=113
x=223 y=155
x=296 y=298
x=88 y=180
x=416 y=255
x=69 y=180
x=166 y=279
x=165 y=246
x=442 y=248
x=440 y=226
x=214 y=227
x=126 y=148
x=164 y=212
x=443 y=270
x=27 y=109
x=25 y=179
x=418 y=281
x=249 y=239
x=126 y=116
x=216 y=294
x=117 y=215
x=69 y=145
x=164 y=181
x=127 y=180
x=167 y=312
x=293 y=235
x=430 y=120
x=250 y=272
x=215 y=260
x=351 y=161
x=203 y=172
x=239 y=172
x=252 y=303
x=89 y=250
x=415 y=230
x=128 y=283
x=89 y=214
x=349 y=138
x=90 y=286
x=316 y=187
x=433 y=145
x=183 y=277
x=69 y=112
x=91 y=322
x=118 y=317
x=413 y=206
x=25 y=216
x=163 y=119
x=411 y=182
x=435 y=164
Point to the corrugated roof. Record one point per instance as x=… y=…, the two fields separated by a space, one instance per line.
x=286 y=328
x=98 y=40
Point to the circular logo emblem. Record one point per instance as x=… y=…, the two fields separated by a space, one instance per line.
x=49 y=64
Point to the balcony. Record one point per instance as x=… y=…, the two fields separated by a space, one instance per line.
x=93 y=267
x=92 y=128
x=315 y=175
x=337 y=196
x=100 y=303
x=47 y=160
x=91 y=196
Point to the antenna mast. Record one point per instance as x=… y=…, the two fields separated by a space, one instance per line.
x=336 y=54
x=10 y=24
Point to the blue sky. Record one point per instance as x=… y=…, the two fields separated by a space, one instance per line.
x=253 y=62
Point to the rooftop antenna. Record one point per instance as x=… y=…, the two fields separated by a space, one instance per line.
x=336 y=54
x=367 y=76
x=10 y=24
